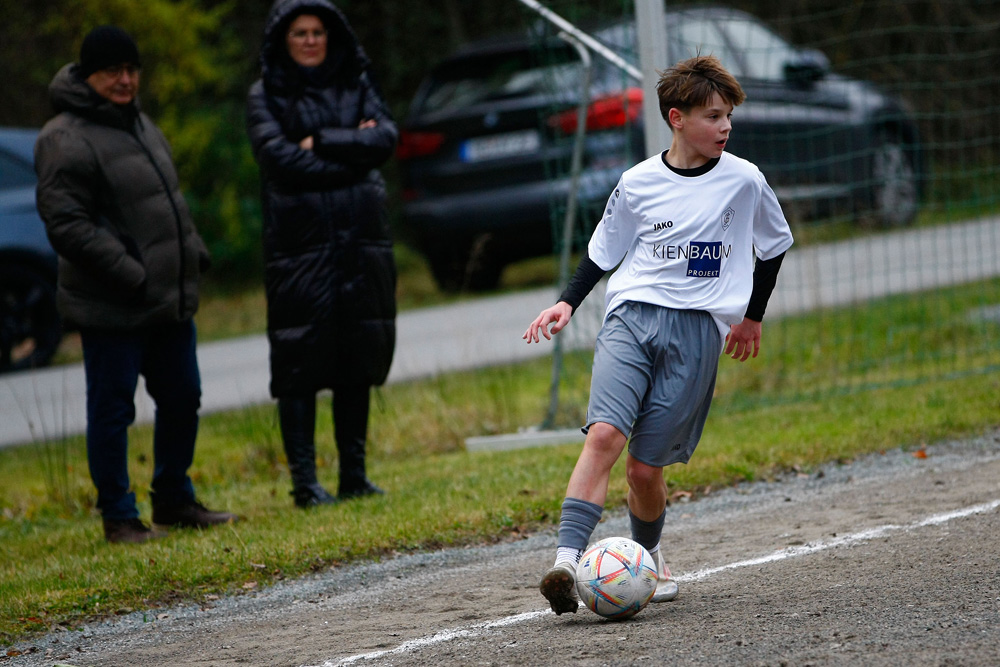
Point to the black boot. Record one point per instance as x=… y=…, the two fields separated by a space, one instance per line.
x=297 y=417
x=350 y=421
x=312 y=495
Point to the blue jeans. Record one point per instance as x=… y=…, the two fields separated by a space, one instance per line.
x=113 y=360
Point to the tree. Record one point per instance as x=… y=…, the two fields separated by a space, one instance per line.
x=194 y=69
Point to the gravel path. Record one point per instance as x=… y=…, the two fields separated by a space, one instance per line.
x=889 y=560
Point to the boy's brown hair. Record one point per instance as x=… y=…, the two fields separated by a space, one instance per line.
x=692 y=82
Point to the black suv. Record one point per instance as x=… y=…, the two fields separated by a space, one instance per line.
x=485 y=148
x=30 y=331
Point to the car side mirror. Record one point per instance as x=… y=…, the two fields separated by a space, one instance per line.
x=806 y=68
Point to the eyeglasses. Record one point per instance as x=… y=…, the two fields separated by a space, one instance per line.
x=303 y=35
x=115 y=71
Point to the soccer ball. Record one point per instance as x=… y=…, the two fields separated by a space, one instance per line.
x=616 y=578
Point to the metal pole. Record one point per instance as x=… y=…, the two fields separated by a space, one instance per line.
x=651 y=31
x=576 y=166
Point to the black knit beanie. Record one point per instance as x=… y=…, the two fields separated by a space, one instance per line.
x=105 y=46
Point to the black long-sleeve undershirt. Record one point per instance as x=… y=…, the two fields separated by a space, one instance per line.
x=765 y=275
x=586 y=276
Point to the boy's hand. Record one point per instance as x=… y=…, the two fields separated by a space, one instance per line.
x=741 y=337
x=559 y=313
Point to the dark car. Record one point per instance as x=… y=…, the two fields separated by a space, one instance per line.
x=486 y=146
x=30 y=330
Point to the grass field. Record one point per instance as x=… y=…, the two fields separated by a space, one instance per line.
x=791 y=409
x=830 y=386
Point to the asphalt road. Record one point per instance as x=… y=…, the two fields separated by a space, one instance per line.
x=890 y=560
x=40 y=405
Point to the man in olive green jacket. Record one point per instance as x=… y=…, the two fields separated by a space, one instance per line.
x=129 y=264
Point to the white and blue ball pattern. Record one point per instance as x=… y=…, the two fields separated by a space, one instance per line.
x=616 y=578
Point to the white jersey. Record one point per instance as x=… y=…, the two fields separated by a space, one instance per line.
x=687 y=242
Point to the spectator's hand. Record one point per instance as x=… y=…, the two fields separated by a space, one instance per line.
x=743 y=340
x=307 y=143
x=558 y=314
x=367 y=124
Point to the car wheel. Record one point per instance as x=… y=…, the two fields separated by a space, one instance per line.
x=472 y=266
x=30 y=330
x=893 y=198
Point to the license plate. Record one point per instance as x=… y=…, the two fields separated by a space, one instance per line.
x=500 y=146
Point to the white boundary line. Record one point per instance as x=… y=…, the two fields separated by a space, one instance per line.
x=784 y=554
x=863 y=536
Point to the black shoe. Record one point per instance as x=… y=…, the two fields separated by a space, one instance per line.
x=359 y=489
x=312 y=495
x=131 y=531
x=190 y=515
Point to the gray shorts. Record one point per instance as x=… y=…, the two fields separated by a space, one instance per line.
x=653 y=379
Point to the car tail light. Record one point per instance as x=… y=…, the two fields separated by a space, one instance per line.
x=604 y=113
x=418 y=144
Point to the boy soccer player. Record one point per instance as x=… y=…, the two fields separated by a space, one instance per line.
x=684 y=225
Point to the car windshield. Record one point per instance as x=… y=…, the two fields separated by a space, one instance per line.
x=695 y=35
x=764 y=53
x=746 y=47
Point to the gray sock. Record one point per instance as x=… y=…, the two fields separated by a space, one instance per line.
x=577 y=522
x=647 y=533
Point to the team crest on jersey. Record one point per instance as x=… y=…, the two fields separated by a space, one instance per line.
x=727 y=217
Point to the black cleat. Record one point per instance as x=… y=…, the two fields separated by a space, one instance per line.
x=559 y=588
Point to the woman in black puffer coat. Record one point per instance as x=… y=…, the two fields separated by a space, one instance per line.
x=319 y=130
